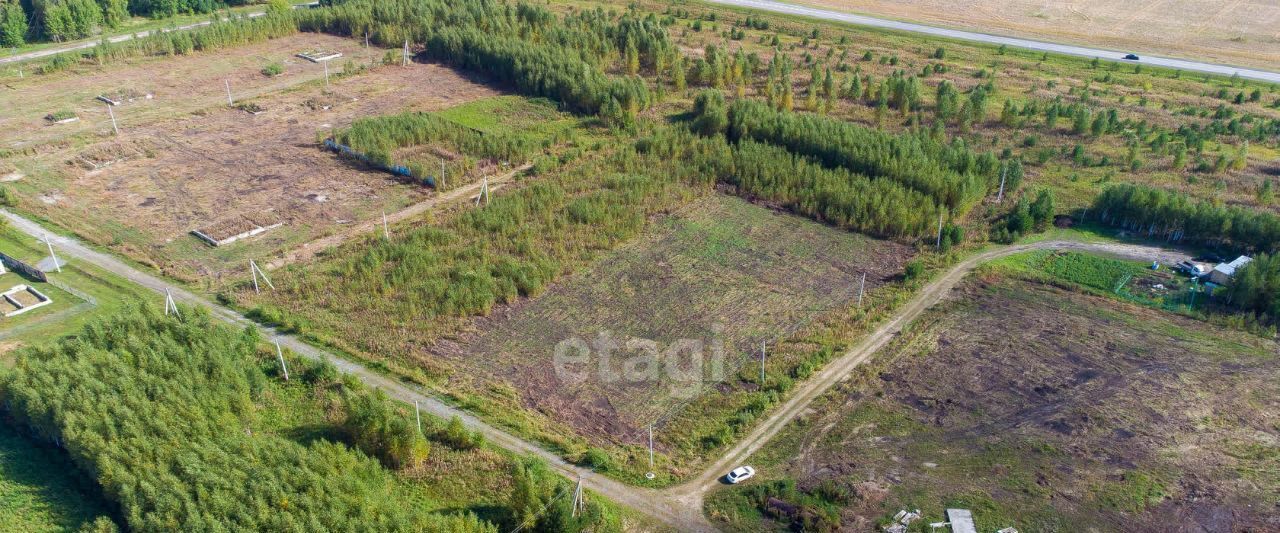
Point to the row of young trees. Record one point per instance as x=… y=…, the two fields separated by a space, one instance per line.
x=951 y=174
x=836 y=196
x=235 y=31
x=379 y=137
x=1256 y=288
x=23 y=21
x=515 y=246
x=525 y=46
x=1178 y=217
x=160 y=411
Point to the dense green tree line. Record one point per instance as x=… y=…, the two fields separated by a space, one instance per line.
x=378 y=138
x=1256 y=287
x=514 y=246
x=159 y=410
x=23 y=21
x=235 y=31
x=832 y=195
x=952 y=174
x=1177 y=217
x=525 y=46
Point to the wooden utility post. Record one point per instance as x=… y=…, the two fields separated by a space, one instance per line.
x=230 y=102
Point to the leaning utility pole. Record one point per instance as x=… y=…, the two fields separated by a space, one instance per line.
x=283 y=368
x=256 y=271
x=52 y=256
x=861 y=287
x=114 y=128
x=169 y=304
x=230 y=102
x=939 y=231
x=1004 y=171
x=579 y=503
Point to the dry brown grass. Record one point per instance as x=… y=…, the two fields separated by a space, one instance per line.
x=1243 y=32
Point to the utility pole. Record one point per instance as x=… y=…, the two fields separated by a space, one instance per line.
x=114 y=128
x=579 y=504
x=283 y=368
x=326 y=75
x=484 y=191
x=253 y=269
x=404 y=59
x=440 y=183
x=762 y=357
x=417 y=413
x=862 y=287
x=1004 y=171
x=386 y=233
x=366 y=39
x=52 y=256
x=650 y=451
x=169 y=304
x=939 y=231
x=230 y=102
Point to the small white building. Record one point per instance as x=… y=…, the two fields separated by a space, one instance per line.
x=1223 y=273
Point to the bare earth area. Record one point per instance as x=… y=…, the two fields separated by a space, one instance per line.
x=1049 y=410
x=1238 y=32
x=722 y=271
x=186 y=161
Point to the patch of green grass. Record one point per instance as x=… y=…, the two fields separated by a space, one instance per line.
x=80 y=293
x=1134 y=492
x=534 y=117
x=41 y=490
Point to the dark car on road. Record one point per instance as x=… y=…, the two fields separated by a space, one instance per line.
x=1132 y=57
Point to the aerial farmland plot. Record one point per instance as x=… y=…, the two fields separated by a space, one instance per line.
x=186 y=161
x=720 y=275
x=1041 y=408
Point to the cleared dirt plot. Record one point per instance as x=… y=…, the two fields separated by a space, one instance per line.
x=185 y=161
x=1242 y=32
x=721 y=270
x=1039 y=408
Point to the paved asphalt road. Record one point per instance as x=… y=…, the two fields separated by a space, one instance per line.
x=1083 y=51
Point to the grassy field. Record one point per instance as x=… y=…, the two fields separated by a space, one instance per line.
x=1237 y=33
x=40 y=489
x=1146 y=102
x=80 y=293
x=705 y=286
x=1036 y=407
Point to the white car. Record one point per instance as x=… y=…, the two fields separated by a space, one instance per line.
x=739 y=474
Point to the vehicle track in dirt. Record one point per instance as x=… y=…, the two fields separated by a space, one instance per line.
x=681 y=506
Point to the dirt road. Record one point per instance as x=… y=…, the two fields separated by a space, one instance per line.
x=92 y=42
x=679 y=507
x=691 y=492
